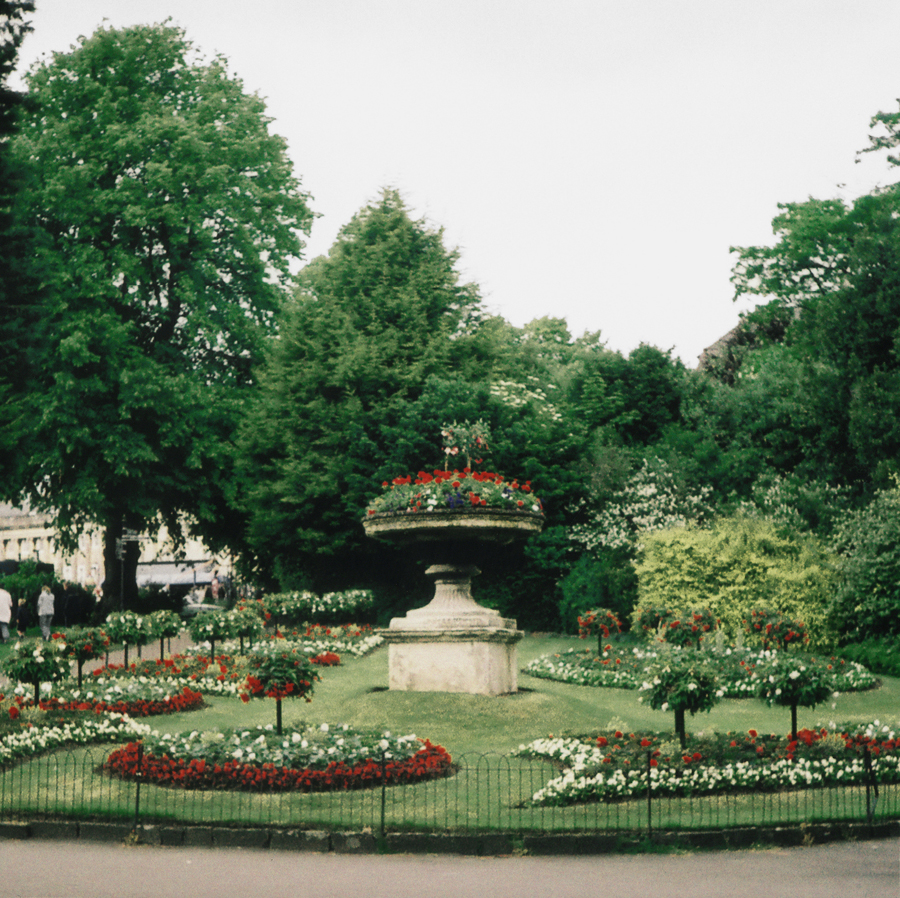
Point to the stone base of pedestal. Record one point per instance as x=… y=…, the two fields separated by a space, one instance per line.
x=478 y=661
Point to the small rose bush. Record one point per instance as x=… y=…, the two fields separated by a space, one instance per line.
x=775 y=630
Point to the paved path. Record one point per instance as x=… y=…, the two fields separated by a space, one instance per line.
x=36 y=869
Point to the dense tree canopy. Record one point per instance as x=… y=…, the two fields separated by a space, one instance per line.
x=15 y=290
x=167 y=217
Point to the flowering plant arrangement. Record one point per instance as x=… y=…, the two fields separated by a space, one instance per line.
x=32 y=740
x=775 y=630
x=680 y=681
x=248 y=621
x=212 y=627
x=793 y=681
x=279 y=673
x=601 y=621
x=134 y=699
x=34 y=661
x=614 y=765
x=624 y=668
x=83 y=645
x=469 y=440
x=128 y=628
x=308 y=607
x=304 y=758
x=681 y=628
x=443 y=491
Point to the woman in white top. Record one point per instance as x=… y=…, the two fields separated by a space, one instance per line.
x=6 y=606
x=45 y=611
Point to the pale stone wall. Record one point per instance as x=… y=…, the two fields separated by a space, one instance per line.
x=28 y=536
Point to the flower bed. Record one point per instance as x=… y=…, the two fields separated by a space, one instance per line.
x=615 y=766
x=32 y=740
x=316 y=639
x=625 y=669
x=136 y=697
x=308 y=759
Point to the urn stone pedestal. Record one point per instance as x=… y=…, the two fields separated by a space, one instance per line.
x=452 y=644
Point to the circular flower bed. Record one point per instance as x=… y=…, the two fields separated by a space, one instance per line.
x=615 y=765
x=135 y=698
x=736 y=668
x=306 y=759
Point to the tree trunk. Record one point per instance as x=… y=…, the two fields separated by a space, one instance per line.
x=120 y=590
x=679 y=728
x=793 y=723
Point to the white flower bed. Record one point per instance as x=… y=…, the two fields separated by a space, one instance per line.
x=106 y=728
x=306 y=748
x=588 y=778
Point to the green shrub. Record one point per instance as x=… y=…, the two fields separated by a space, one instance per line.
x=605 y=580
x=739 y=564
x=881 y=656
x=867 y=601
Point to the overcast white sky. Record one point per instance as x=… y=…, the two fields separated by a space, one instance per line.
x=591 y=160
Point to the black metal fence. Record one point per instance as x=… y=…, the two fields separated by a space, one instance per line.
x=485 y=793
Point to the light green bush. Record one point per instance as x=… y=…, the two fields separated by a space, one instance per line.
x=734 y=566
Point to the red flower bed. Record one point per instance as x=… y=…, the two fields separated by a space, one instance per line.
x=187 y=700
x=326 y=659
x=430 y=762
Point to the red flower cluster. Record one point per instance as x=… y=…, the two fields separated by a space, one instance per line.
x=326 y=659
x=430 y=762
x=187 y=700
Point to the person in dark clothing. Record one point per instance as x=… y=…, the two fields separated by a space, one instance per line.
x=23 y=617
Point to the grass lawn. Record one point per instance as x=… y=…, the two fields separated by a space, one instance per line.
x=356 y=693
x=485 y=793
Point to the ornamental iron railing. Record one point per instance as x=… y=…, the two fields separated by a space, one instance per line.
x=484 y=793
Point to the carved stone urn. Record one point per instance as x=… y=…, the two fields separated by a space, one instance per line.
x=453 y=644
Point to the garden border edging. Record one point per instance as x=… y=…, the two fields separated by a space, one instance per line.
x=480 y=845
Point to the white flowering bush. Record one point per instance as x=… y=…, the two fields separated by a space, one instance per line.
x=302 y=606
x=651 y=500
x=793 y=682
x=34 y=661
x=681 y=680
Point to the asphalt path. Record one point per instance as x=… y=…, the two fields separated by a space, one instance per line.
x=45 y=869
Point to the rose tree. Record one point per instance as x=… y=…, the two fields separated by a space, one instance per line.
x=278 y=674
x=601 y=621
x=84 y=645
x=792 y=681
x=212 y=626
x=681 y=681
x=34 y=661
x=164 y=624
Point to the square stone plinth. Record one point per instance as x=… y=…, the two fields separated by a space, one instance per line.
x=472 y=661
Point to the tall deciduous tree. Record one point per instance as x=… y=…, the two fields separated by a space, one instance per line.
x=832 y=278
x=168 y=217
x=14 y=291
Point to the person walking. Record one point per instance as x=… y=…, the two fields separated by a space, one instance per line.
x=23 y=618
x=6 y=609
x=45 y=611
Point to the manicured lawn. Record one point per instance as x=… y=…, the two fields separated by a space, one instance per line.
x=356 y=693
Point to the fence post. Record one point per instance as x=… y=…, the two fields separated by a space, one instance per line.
x=137 y=791
x=649 y=797
x=383 y=789
x=871 y=785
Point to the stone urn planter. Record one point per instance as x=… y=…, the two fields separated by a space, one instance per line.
x=453 y=644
